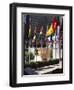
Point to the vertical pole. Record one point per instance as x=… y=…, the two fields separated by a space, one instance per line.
x=36 y=45
x=47 y=42
x=58 y=36
x=29 y=37
x=55 y=45
x=41 y=39
x=59 y=40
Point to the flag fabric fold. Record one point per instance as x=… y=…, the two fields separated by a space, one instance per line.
x=52 y=28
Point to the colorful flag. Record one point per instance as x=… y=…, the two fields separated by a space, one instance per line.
x=54 y=24
x=52 y=28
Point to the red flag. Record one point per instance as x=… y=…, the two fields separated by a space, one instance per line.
x=54 y=24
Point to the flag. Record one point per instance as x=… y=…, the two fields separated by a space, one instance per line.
x=54 y=24
x=26 y=30
x=34 y=37
x=41 y=31
x=52 y=28
x=29 y=35
x=58 y=30
x=50 y=31
x=26 y=26
x=40 y=36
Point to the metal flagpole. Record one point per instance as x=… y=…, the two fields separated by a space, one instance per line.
x=47 y=41
x=29 y=37
x=41 y=38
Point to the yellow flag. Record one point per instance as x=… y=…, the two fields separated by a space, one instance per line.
x=50 y=31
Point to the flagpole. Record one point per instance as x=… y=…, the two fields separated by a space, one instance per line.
x=41 y=38
x=59 y=42
x=29 y=37
x=55 y=45
x=47 y=42
x=59 y=37
x=61 y=27
x=36 y=44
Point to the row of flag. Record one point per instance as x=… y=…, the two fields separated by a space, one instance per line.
x=52 y=33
